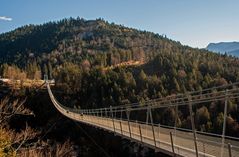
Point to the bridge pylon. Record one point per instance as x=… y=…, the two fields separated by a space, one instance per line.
x=45 y=77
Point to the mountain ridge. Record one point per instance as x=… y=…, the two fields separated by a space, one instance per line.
x=231 y=48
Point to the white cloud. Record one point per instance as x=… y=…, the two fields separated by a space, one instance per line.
x=5 y=18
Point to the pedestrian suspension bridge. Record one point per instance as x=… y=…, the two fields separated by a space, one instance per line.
x=139 y=122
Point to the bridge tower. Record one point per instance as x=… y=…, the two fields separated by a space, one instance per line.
x=45 y=77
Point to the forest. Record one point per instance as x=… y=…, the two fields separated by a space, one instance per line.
x=77 y=54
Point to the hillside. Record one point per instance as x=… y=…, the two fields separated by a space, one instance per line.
x=51 y=48
x=231 y=48
x=78 y=39
x=97 y=64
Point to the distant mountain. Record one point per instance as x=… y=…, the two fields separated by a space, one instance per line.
x=234 y=53
x=231 y=48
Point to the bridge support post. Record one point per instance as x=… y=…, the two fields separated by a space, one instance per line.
x=193 y=126
x=105 y=112
x=176 y=122
x=224 y=124
x=159 y=132
x=147 y=117
x=112 y=115
x=140 y=133
x=121 y=130
x=46 y=78
x=171 y=138
x=89 y=116
x=121 y=113
x=152 y=125
x=115 y=114
x=230 y=150
x=128 y=115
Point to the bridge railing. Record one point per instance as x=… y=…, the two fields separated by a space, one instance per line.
x=197 y=141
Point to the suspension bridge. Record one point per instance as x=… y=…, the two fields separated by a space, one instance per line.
x=127 y=121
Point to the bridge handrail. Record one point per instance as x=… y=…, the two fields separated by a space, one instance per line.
x=69 y=112
x=183 y=101
x=185 y=95
x=160 y=105
x=108 y=110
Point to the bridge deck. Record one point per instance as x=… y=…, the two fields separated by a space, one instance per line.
x=155 y=137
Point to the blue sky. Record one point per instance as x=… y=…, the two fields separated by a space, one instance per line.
x=192 y=22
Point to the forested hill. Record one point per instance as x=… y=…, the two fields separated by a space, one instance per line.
x=34 y=50
x=44 y=49
x=74 y=39
x=85 y=58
